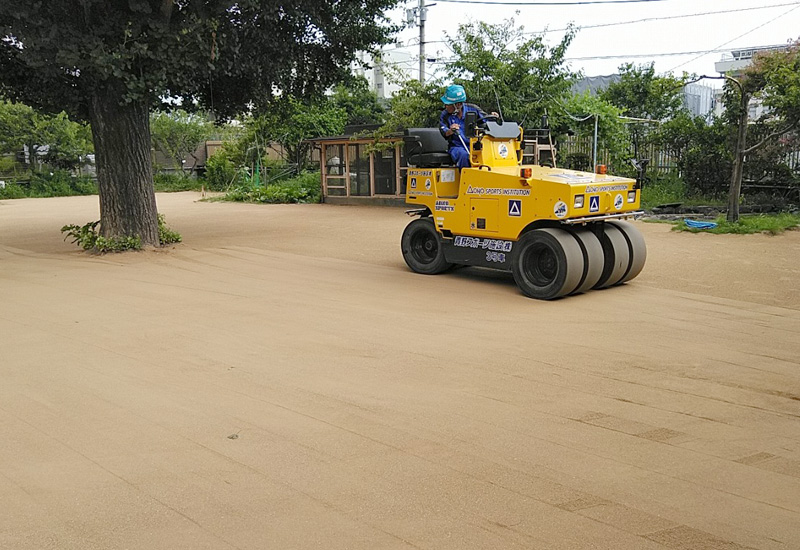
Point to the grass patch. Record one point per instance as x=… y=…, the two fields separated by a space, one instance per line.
x=304 y=188
x=772 y=224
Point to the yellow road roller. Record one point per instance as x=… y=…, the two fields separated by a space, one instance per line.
x=558 y=231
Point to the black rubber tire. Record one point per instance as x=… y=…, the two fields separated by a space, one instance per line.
x=636 y=248
x=422 y=248
x=617 y=258
x=547 y=263
x=593 y=259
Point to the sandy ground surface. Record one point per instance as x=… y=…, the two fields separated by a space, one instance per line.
x=281 y=380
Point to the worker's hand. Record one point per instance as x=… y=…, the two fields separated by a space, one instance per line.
x=495 y=114
x=454 y=127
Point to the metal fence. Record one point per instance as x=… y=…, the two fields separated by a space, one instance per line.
x=576 y=153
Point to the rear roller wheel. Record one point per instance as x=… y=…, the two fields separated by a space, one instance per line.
x=422 y=248
x=617 y=256
x=593 y=259
x=636 y=248
x=547 y=263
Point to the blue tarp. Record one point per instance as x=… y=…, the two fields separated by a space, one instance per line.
x=696 y=224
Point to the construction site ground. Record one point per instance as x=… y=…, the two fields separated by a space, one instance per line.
x=281 y=380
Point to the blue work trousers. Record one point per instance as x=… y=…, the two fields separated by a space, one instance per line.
x=460 y=156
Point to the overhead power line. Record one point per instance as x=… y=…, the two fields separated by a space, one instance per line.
x=666 y=17
x=572 y=3
x=636 y=21
x=646 y=55
x=738 y=37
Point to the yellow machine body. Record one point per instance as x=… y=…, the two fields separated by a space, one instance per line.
x=497 y=201
x=558 y=231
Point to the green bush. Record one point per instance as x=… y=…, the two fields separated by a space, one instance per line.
x=304 y=188
x=663 y=190
x=221 y=173
x=60 y=184
x=7 y=164
x=87 y=238
x=171 y=182
x=13 y=191
x=165 y=234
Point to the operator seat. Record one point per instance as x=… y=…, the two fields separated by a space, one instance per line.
x=426 y=148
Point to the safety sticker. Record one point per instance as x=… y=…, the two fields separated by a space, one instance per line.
x=594 y=203
x=618 y=202
x=448 y=176
x=445 y=206
x=514 y=208
x=560 y=209
x=502 y=150
x=413 y=183
x=427 y=184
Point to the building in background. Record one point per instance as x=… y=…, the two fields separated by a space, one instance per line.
x=733 y=64
x=391 y=61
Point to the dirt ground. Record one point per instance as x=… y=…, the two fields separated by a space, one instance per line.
x=281 y=380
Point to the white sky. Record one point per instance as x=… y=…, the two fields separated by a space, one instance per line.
x=639 y=42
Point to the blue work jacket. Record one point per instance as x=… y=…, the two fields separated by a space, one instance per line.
x=446 y=120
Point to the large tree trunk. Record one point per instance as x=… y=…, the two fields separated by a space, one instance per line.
x=121 y=136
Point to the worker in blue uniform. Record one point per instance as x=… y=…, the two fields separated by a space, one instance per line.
x=451 y=123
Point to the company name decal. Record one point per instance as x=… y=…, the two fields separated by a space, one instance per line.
x=445 y=206
x=498 y=191
x=602 y=188
x=420 y=173
x=486 y=244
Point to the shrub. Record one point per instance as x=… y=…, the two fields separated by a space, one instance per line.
x=221 y=173
x=60 y=184
x=304 y=188
x=172 y=182
x=165 y=234
x=13 y=191
x=664 y=190
x=7 y=164
x=87 y=238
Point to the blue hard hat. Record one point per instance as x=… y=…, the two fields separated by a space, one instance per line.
x=454 y=94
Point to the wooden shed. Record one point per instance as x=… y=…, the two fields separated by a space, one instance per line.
x=354 y=171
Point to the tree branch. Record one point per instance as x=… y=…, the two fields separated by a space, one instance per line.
x=166 y=9
x=776 y=133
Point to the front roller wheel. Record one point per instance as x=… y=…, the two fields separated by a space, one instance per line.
x=422 y=248
x=547 y=263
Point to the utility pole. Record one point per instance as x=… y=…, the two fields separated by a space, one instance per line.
x=422 y=17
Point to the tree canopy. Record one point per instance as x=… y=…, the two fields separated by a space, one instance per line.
x=640 y=93
x=109 y=62
x=503 y=67
x=55 y=140
x=178 y=134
